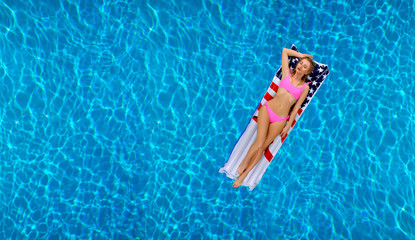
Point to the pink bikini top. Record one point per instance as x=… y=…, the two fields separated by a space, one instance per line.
x=287 y=85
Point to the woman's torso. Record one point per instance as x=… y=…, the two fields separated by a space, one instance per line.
x=283 y=100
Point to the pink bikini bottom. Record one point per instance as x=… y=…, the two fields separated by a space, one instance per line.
x=273 y=117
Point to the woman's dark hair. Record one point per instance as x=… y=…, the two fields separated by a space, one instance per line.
x=312 y=65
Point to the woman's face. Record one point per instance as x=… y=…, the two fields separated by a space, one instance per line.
x=303 y=67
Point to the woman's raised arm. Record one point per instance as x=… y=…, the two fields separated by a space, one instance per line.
x=284 y=59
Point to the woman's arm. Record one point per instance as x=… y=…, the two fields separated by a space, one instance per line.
x=295 y=110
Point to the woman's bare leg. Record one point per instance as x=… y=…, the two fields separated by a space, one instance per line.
x=272 y=133
x=252 y=151
x=262 y=122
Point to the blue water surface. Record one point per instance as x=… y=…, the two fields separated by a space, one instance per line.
x=115 y=117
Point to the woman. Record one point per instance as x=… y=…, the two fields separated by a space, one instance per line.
x=273 y=115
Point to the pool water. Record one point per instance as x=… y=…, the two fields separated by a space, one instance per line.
x=115 y=117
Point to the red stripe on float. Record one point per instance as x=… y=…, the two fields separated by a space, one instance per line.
x=282 y=139
x=268 y=155
x=267 y=96
x=274 y=87
x=292 y=125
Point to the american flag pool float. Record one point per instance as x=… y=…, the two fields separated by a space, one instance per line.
x=317 y=77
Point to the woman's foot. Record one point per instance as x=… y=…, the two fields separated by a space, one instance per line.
x=238 y=182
